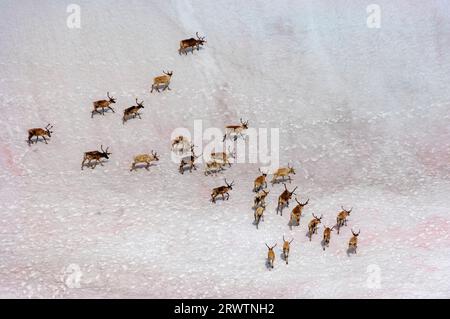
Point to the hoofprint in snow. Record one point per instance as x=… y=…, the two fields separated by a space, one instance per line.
x=363 y=126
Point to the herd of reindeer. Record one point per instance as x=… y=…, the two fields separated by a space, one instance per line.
x=216 y=164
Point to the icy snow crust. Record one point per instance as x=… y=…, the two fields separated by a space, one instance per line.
x=363 y=116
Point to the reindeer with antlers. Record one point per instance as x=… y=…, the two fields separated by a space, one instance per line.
x=213 y=167
x=224 y=157
x=260 y=181
x=236 y=130
x=162 y=80
x=271 y=255
x=103 y=104
x=222 y=190
x=283 y=199
x=259 y=215
x=260 y=198
x=132 y=111
x=95 y=156
x=297 y=213
x=40 y=132
x=286 y=247
x=181 y=144
x=341 y=219
x=188 y=161
x=144 y=158
x=283 y=172
x=327 y=236
x=313 y=225
x=353 y=243
x=191 y=43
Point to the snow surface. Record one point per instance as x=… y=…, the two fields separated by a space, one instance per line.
x=363 y=116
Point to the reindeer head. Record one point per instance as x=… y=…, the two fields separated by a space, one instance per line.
x=318 y=219
x=262 y=173
x=300 y=204
x=271 y=248
x=105 y=153
x=289 y=194
x=291 y=169
x=139 y=105
x=200 y=40
x=155 y=155
x=347 y=212
x=111 y=99
x=287 y=241
x=168 y=73
x=244 y=124
x=230 y=186
x=356 y=235
x=48 y=130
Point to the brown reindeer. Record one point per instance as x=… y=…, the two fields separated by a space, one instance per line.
x=260 y=198
x=222 y=190
x=95 y=156
x=236 y=130
x=103 y=104
x=283 y=199
x=224 y=157
x=162 y=80
x=40 y=132
x=259 y=215
x=353 y=243
x=341 y=219
x=260 y=182
x=180 y=144
x=191 y=43
x=286 y=247
x=313 y=225
x=283 y=172
x=144 y=158
x=188 y=161
x=327 y=236
x=132 y=111
x=271 y=255
x=297 y=213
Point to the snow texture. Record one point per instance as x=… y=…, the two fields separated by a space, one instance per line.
x=363 y=116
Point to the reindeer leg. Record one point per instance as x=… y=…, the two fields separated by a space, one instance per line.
x=109 y=107
x=45 y=140
x=139 y=115
x=148 y=165
x=152 y=88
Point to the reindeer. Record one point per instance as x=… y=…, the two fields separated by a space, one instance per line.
x=313 y=225
x=213 y=167
x=191 y=43
x=236 y=130
x=144 y=158
x=259 y=215
x=189 y=161
x=353 y=243
x=271 y=255
x=283 y=172
x=326 y=236
x=283 y=199
x=260 y=198
x=40 y=132
x=224 y=157
x=260 y=181
x=162 y=80
x=103 y=104
x=222 y=190
x=95 y=156
x=132 y=110
x=297 y=213
x=341 y=219
x=181 y=144
x=286 y=247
